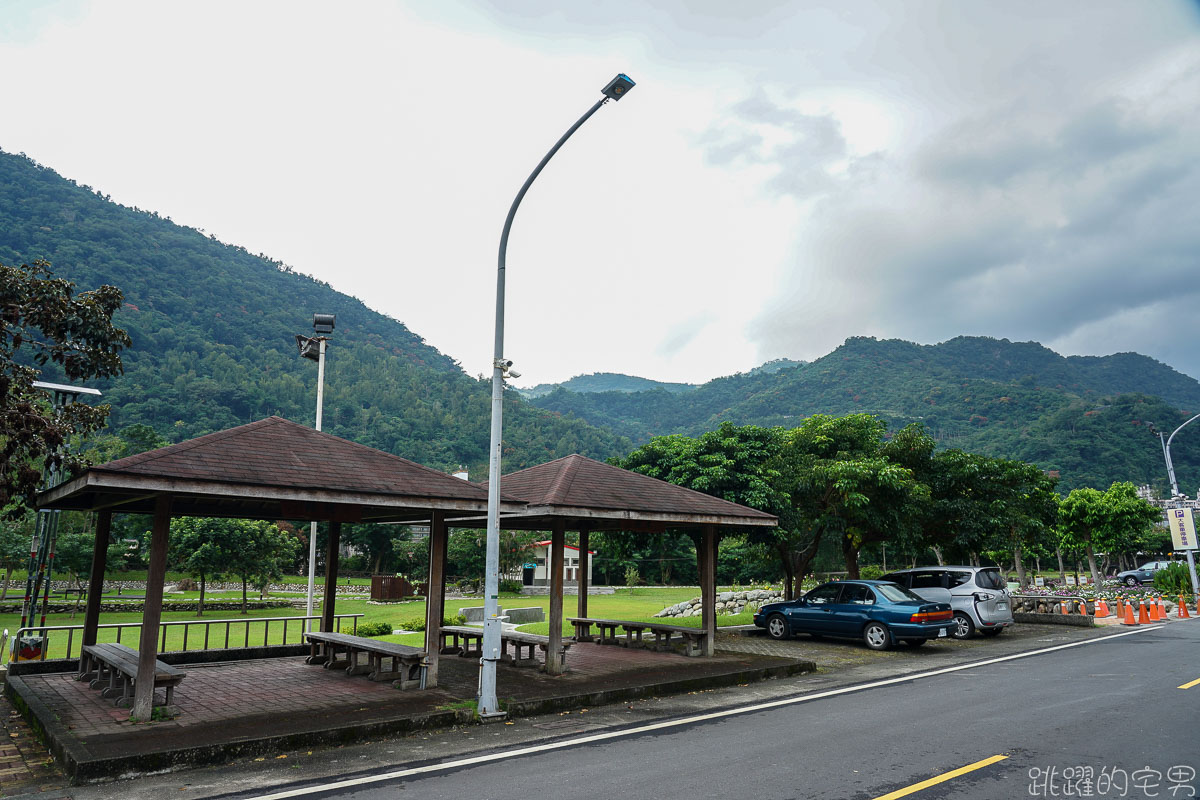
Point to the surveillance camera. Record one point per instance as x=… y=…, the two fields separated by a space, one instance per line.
x=502 y=363
x=512 y=373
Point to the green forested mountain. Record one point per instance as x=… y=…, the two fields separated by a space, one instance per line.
x=213 y=326
x=1076 y=415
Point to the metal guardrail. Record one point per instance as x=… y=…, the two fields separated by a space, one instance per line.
x=45 y=630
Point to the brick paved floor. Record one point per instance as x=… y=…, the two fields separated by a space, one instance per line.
x=25 y=765
x=234 y=701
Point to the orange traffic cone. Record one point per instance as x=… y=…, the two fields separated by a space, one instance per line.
x=1152 y=607
x=1101 y=608
x=1120 y=607
x=1162 y=610
x=1143 y=617
x=1128 y=619
x=1183 y=612
x=1062 y=608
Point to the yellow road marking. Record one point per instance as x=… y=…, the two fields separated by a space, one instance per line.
x=1190 y=685
x=954 y=773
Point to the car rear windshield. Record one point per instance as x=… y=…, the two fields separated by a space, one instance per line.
x=896 y=593
x=989 y=579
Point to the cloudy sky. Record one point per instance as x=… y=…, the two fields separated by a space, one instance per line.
x=785 y=174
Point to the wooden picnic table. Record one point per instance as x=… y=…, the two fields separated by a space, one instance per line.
x=408 y=663
x=117 y=665
x=466 y=640
x=664 y=633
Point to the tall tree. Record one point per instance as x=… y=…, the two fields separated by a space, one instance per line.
x=1110 y=521
x=840 y=483
x=203 y=547
x=256 y=551
x=735 y=463
x=43 y=321
x=15 y=536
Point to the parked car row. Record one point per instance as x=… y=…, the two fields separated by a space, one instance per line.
x=910 y=606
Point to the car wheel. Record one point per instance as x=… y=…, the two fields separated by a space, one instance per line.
x=963 y=628
x=1131 y=581
x=777 y=627
x=915 y=642
x=876 y=636
x=992 y=631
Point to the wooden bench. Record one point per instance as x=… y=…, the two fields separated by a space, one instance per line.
x=665 y=634
x=407 y=662
x=117 y=666
x=466 y=640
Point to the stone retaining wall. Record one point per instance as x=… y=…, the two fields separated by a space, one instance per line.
x=727 y=603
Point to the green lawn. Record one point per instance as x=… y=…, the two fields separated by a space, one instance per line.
x=641 y=605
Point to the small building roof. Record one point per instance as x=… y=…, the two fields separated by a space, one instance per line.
x=581 y=491
x=272 y=469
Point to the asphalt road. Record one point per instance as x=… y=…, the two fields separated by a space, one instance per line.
x=1112 y=706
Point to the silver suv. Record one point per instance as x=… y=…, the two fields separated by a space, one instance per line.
x=978 y=596
x=1143 y=574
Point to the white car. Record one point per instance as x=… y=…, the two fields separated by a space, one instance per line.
x=978 y=595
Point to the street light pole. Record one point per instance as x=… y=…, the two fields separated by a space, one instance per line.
x=488 y=705
x=312 y=526
x=1166 y=446
x=322 y=324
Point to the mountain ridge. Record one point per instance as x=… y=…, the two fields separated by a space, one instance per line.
x=213 y=330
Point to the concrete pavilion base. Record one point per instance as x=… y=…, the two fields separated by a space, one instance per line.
x=237 y=709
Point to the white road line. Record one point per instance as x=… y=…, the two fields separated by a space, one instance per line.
x=658 y=726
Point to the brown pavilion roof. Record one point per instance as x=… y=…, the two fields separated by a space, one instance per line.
x=581 y=491
x=272 y=469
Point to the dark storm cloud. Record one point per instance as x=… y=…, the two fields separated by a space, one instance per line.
x=1074 y=224
x=1041 y=183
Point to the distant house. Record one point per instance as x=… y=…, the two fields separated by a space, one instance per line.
x=536 y=570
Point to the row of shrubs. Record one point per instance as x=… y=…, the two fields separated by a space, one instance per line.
x=415 y=624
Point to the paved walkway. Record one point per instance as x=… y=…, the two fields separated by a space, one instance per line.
x=235 y=703
x=25 y=765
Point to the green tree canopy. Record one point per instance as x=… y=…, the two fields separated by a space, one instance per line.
x=43 y=321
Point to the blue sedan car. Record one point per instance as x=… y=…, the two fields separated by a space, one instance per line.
x=879 y=612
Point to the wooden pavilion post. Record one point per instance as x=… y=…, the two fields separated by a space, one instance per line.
x=585 y=564
x=143 y=689
x=554 y=650
x=707 y=558
x=91 y=616
x=435 y=595
x=331 y=570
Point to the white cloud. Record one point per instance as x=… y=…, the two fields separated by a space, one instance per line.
x=784 y=175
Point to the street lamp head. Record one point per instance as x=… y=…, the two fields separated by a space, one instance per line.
x=618 y=87
x=323 y=323
x=309 y=348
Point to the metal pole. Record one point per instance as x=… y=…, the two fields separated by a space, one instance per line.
x=1191 y=560
x=488 y=706
x=312 y=526
x=41 y=554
